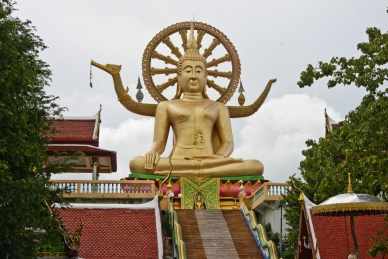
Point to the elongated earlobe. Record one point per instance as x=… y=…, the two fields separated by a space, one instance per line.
x=204 y=94
x=178 y=91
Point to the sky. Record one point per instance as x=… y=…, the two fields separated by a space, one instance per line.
x=274 y=39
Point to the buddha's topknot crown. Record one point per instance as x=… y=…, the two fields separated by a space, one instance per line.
x=192 y=52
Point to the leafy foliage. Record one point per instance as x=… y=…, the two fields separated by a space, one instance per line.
x=367 y=71
x=381 y=240
x=167 y=228
x=361 y=137
x=25 y=113
x=274 y=237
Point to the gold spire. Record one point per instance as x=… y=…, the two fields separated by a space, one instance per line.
x=191 y=43
x=350 y=189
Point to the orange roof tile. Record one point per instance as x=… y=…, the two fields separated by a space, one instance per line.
x=334 y=237
x=74 y=130
x=115 y=232
x=80 y=130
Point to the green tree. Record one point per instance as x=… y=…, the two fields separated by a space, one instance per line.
x=361 y=137
x=25 y=113
x=274 y=237
x=367 y=71
x=381 y=240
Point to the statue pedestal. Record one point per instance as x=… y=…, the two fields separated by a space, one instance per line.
x=197 y=192
x=218 y=193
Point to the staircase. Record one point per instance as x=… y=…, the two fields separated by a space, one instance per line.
x=191 y=234
x=216 y=234
x=242 y=238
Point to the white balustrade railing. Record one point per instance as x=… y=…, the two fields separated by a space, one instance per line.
x=277 y=189
x=77 y=188
x=269 y=191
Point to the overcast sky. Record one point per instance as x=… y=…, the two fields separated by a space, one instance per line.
x=274 y=39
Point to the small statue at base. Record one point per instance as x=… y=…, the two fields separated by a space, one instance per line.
x=199 y=202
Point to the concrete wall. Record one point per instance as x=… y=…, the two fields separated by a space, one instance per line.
x=270 y=212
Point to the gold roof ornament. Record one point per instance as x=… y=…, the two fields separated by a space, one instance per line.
x=350 y=189
x=300 y=198
x=191 y=47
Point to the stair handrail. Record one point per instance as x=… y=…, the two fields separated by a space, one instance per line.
x=259 y=234
x=180 y=245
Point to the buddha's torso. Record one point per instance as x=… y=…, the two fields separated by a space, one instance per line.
x=192 y=123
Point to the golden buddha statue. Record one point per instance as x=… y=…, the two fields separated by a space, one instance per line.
x=203 y=139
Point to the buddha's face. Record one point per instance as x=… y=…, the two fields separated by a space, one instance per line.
x=193 y=76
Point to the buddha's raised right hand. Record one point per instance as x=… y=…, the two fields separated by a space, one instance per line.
x=151 y=158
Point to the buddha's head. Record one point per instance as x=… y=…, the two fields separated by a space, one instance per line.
x=192 y=75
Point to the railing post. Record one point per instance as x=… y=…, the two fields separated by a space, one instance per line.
x=152 y=188
x=95 y=187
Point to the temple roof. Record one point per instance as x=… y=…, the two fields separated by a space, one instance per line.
x=81 y=134
x=117 y=230
x=330 y=123
x=81 y=130
x=335 y=238
x=330 y=237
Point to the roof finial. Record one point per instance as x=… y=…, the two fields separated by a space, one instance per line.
x=301 y=198
x=139 y=94
x=241 y=97
x=241 y=89
x=350 y=189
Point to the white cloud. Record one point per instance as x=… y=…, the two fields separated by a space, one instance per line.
x=277 y=133
x=131 y=138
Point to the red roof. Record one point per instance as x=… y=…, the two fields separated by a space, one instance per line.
x=334 y=238
x=75 y=131
x=114 y=232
